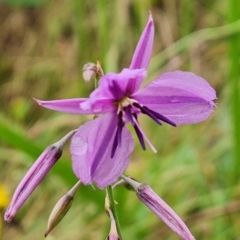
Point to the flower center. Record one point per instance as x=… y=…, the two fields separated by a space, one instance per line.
x=127 y=111
x=125 y=102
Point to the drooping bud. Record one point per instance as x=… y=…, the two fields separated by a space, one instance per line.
x=160 y=208
x=61 y=208
x=35 y=175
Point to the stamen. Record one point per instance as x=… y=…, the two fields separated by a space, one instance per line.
x=160 y=116
x=144 y=136
x=115 y=143
x=151 y=115
x=118 y=135
x=154 y=115
x=140 y=137
x=120 y=127
x=129 y=114
x=132 y=117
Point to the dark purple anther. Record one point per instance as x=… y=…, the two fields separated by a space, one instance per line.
x=118 y=136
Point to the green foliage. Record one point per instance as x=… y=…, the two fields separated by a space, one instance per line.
x=24 y=3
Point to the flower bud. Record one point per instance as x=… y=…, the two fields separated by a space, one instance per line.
x=61 y=208
x=113 y=234
x=160 y=208
x=89 y=71
x=35 y=175
x=92 y=71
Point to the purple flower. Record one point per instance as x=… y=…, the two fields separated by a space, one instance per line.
x=101 y=147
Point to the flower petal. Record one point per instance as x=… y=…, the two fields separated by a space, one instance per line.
x=115 y=86
x=91 y=151
x=182 y=97
x=98 y=105
x=142 y=54
x=65 y=105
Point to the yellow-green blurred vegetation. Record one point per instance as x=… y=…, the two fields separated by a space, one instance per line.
x=43 y=47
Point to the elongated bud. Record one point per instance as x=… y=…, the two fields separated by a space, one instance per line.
x=113 y=234
x=61 y=208
x=160 y=208
x=35 y=175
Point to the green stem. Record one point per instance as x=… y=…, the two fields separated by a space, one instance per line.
x=114 y=210
x=95 y=83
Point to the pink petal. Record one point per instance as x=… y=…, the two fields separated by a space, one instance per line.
x=143 y=51
x=91 y=149
x=115 y=86
x=182 y=97
x=65 y=105
x=98 y=105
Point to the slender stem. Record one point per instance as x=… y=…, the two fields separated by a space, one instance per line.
x=95 y=83
x=114 y=210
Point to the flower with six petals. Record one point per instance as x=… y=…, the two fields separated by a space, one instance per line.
x=101 y=147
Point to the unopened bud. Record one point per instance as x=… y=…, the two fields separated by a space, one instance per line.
x=113 y=234
x=35 y=175
x=160 y=208
x=61 y=208
x=89 y=71
x=92 y=71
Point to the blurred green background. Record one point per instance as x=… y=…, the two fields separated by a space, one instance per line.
x=43 y=47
